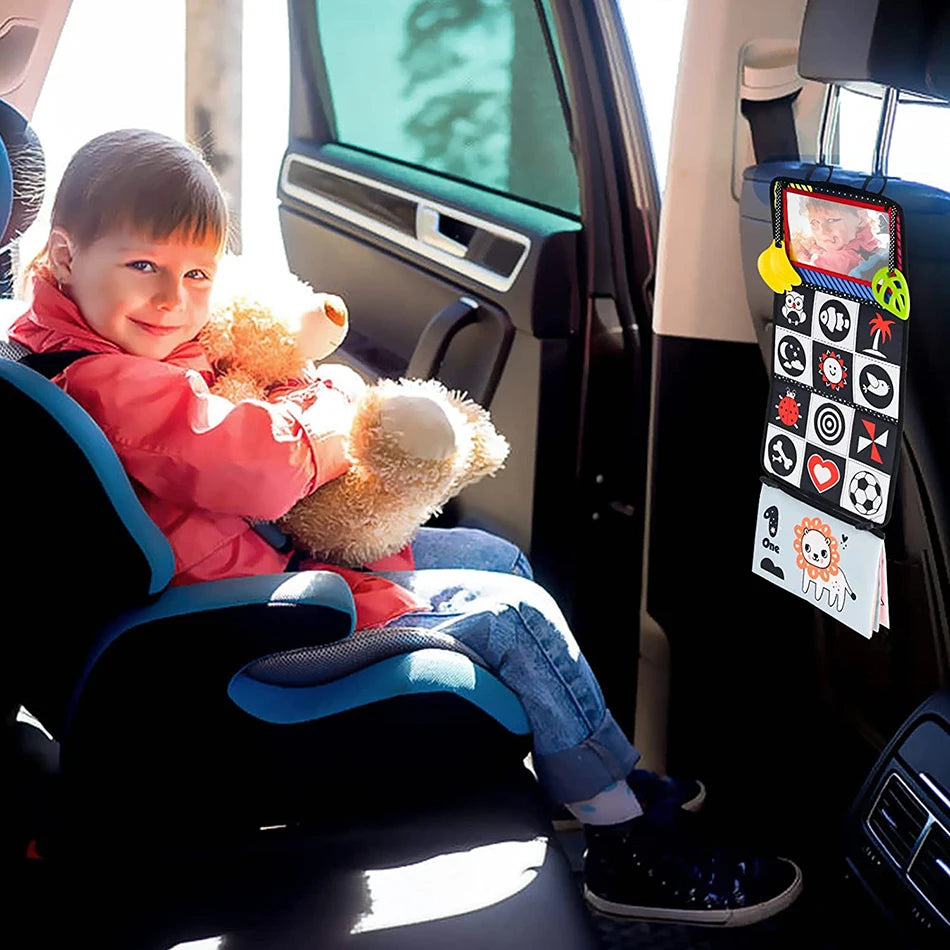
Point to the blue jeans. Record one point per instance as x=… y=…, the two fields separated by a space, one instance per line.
x=518 y=630
x=468 y=548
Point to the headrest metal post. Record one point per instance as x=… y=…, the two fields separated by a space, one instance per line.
x=885 y=130
x=829 y=122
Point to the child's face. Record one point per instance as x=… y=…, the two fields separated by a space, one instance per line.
x=833 y=226
x=145 y=296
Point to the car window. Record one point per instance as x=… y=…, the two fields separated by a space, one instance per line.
x=655 y=34
x=921 y=129
x=466 y=89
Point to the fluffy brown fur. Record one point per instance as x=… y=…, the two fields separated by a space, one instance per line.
x=375 y=508
x=267 y=347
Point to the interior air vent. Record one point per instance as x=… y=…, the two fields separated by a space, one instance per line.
x=897 y=819
x=929 y=872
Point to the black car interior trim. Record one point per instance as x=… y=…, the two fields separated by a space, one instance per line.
x=493 y=255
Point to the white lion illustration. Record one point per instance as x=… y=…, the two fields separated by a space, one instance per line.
x=818 y=558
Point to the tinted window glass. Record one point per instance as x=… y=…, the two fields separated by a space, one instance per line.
x=464 y=87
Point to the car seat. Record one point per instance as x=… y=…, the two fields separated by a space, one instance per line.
x=220 y=737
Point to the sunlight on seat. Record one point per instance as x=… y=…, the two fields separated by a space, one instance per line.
x=449 y=885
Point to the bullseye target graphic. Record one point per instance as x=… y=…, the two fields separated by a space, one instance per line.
x=829 y=423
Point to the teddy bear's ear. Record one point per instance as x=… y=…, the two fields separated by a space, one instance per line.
x=263 y=284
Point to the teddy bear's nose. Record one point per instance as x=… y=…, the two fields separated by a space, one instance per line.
x=335 y=310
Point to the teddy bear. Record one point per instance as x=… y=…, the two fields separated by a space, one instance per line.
x=412 y=444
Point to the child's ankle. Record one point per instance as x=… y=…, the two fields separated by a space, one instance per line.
x=613 y=805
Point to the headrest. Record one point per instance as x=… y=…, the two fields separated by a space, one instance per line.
x=938 y=62
x=888 y=42
x=22 y=174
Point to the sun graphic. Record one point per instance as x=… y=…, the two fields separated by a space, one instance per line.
x=815 y=571
x=832 y=369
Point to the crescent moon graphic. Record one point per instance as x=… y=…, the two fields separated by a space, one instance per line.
x=795 y=364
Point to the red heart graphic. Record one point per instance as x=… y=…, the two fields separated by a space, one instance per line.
x=823 y=473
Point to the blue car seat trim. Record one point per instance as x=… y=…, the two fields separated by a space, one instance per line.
x=6 y=188
x=320 y=588
x=422 y=671
x=90 y=440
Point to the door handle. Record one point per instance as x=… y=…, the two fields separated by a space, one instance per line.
x=428 y=230
x=426 y=360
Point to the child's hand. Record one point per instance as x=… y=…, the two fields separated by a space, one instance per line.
x=343 y=378
x=805 y=247
x=323 y=328
x=328 y=408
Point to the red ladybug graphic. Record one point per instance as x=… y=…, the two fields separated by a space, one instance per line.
x=789 y=411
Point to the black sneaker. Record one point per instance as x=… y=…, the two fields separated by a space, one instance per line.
x=652 y=791
x=649 y=869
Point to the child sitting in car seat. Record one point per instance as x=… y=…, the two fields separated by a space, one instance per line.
x=840 y=239
x=138 y=225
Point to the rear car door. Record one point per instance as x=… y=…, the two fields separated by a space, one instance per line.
x=475 y=179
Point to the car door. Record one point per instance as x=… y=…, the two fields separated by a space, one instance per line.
x=474 y=178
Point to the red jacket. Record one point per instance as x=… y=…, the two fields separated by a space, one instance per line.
x=200 y=464
x=845 y=259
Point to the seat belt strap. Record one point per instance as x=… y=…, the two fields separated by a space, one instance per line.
x=52 y=364
x=773 y=128
x=276 y=538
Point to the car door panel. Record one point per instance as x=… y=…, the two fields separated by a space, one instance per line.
x=408 y=222
x=377 y=200
x=488 y=253
x=349 y=228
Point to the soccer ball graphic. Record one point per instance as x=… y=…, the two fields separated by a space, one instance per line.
x=865 y=493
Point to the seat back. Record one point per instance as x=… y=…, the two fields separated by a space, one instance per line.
x=81 y=548
x=878 y=683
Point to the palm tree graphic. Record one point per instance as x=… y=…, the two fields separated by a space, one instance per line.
x=881 y=329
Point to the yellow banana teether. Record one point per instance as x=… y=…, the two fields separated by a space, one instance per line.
x=776 y=269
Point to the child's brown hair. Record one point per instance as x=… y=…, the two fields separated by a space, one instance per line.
x=818 y=203
x=143 y=181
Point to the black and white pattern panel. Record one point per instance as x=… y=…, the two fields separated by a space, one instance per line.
x=834 y=417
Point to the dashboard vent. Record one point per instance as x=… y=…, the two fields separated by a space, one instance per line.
x=897 y=819
x=929 y=872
